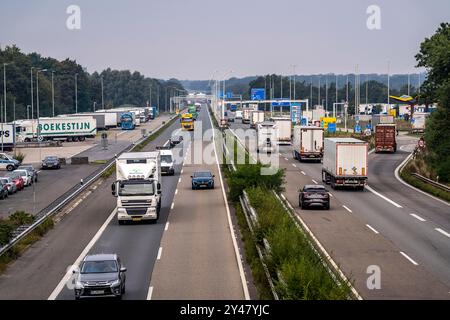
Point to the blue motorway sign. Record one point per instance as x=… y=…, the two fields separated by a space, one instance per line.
x=258 y=94
x=332 y=127
x=357 y=128
x=281 y=104
x=296 y=113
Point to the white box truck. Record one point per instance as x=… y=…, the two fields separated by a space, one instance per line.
x=255 y=118
x=308 y=143
x=284 y=127
x=246 y=113
x=419 y=121
x=138 y=186
x=345 y=162
x=58 y=128
x=266 y=137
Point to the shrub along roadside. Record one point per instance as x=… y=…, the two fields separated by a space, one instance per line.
x=297 y=269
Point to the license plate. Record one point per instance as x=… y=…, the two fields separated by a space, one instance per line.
x=97 y=292
x=137 y=219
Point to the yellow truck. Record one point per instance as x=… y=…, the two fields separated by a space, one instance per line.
x=187 y=122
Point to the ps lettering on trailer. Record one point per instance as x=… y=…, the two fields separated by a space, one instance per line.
x=6 y=133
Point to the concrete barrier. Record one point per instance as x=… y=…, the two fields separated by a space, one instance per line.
x=79 y=160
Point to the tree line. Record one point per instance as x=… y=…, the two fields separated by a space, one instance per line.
x=120 y=87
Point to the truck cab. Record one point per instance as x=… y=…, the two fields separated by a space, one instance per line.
x=127 y=121
x=138 y=186
x=187 y=122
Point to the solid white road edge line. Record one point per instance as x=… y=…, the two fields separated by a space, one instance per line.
x=149 y=294
x=330 y=259
x=443 y=232
x=233 y=236
x=371 y=228
x=395 y=204
x=346 y=208
x=417 y=217
x=89 y=246
x=397 y=176
x=407 y=257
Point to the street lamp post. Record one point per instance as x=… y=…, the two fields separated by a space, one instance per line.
x=37 y=111
x=53 y=95
x=76 y=93
x=28 y=109
x=103 y=102
x=32 y=95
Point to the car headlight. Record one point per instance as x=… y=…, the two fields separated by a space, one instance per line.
x=121 y=210
x=79 y=285
x=115 y=283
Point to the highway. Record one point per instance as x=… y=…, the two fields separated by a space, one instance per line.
x=54 y=183
x=388 y=225
x=91 y=227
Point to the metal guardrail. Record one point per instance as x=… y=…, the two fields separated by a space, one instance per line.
x=22 y=231
x=431 y=182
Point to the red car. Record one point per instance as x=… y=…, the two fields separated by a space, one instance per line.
x=17 y=179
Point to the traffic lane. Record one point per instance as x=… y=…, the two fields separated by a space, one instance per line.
x=39 y=269
x=137 y=244
x=197 y=256
x=382 y=178
x=355 y=247
x=51 y=184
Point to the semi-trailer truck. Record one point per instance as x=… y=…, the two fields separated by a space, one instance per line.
x=385 y=138
x=345 y=163
x=284 y=127
x=266 y=137
x=255 y=118
x=67 y=128
x=127 y=121
x=138 y=186
x=308 y=143
x=246 y=113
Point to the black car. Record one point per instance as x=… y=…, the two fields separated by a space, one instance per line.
x=51 y=162
x=3 y=190
x=100 y=275
x=175 y=140
x=32 y=170
x=314 y=195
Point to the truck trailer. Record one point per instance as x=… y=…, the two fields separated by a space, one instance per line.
x=308 y=143
x=7 y=135
x=284 y=127
x=345 y=163
x=266 y=137
x=59 y=128
x=385 y=138
x=255 y=118
x=138 y=186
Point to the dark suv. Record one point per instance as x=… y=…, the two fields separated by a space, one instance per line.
x=100 y=275
x=314 y=195
x=3 y=190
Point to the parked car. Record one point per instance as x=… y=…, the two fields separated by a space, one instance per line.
x=202 y=179
x=26 y=176
x=100 y=275
x=30 y=169
x=314 y=195
x=17 y=179
x=3 y=190
x=12 y=188
x=7 y=162
x=51 y=162
x=175 y=140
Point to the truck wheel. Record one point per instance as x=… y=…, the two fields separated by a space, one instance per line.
x=81 y=138
x=9 y=167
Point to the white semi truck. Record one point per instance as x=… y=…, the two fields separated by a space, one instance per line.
x=284 y=127
x=58 y=128
x=266 y=137
x=308 y=143
x=255 y=118
x=138 y=186
x=345 y=162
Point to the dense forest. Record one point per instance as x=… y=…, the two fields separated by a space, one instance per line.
x=119 y=87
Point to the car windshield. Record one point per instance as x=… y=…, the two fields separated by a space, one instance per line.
x=29 y=168
x=136 y=189
x=14 y=175
x=202 y=174
x=166 y=158
x=107 y=266
x=4 y=180
x=22 y=173
x=315 y=189
x=51 y=158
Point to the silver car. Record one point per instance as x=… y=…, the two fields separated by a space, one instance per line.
x=12 y=188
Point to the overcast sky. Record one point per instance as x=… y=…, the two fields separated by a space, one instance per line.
x=190 y=39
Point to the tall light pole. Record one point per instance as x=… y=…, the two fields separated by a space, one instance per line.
x=4 y=95
x=37 y=101
x=76 y=93
x=53 y=95
x=388 y=79
x=103 y=102
x=409 y=83
x=337 y=89
x=318 y=98
x=28 y=110
x=32 y=95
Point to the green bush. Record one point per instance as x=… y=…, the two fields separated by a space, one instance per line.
x=6 y=230
x=249 y=175
x=21 y=217
x=293 y=262
x=19 y=156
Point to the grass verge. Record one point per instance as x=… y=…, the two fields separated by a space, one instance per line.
x=153 y=136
